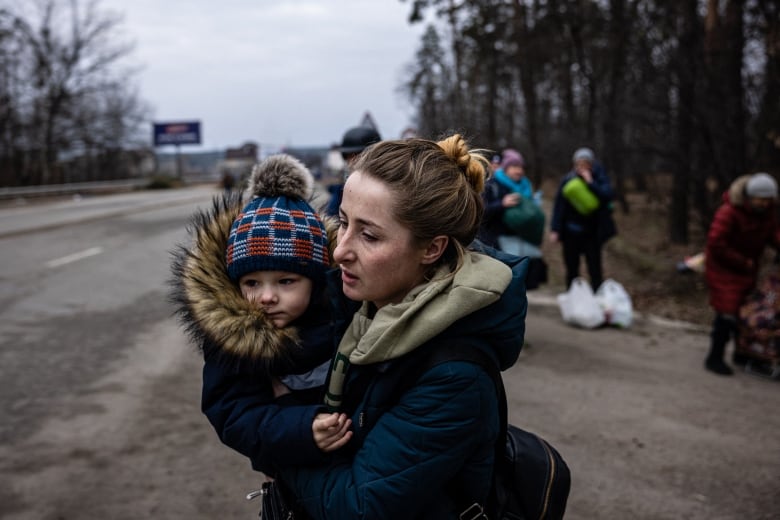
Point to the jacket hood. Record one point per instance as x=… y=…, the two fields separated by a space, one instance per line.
x=426 y=312
x=500 y=326
x=736 y=192
x=211 y=308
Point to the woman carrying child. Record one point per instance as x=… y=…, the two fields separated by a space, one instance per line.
x=409 y=214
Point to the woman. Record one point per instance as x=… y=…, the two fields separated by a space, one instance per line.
x=410 y=210
x=509 y=188
x=583 y=232
x=744 y=224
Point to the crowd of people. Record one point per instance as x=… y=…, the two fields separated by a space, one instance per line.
x=308 y=317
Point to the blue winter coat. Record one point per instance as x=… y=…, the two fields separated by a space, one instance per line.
x=242 y=349
x=448 y=421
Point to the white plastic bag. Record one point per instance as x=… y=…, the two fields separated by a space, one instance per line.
x=579 y=306
x=616 y=303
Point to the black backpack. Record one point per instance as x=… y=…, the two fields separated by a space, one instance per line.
x=531 y=480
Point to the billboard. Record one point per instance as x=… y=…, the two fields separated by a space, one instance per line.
x=184 y=132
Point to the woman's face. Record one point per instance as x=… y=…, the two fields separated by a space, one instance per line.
x=379 y=260
x=515 y=172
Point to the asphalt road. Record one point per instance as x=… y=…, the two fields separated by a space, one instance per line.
x=99 y=407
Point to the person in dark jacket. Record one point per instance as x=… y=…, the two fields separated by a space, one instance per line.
x=744 y=224
x=355 y=140
x=251 y=292
x=583 y=228
x=404 y=253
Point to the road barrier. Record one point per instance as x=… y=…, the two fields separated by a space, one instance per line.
x=75 y=187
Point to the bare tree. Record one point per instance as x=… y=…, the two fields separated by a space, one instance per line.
x=71 y=54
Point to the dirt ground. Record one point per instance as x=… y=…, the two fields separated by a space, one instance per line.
x=642 y=259
x=647 y=433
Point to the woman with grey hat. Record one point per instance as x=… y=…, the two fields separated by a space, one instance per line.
x=744 y=224
x=582 y=216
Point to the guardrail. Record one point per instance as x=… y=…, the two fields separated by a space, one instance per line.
x=75 y=187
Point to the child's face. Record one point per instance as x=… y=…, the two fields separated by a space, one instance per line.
x=284 y=296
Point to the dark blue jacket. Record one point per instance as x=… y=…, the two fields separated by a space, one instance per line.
x=493 y=217
x=567 y=221
x=243 y=350
x=407 y=448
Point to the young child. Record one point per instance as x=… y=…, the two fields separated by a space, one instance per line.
x=251 y=292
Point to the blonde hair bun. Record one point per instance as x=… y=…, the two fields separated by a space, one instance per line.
x=473 y=165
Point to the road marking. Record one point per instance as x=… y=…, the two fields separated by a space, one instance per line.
x=92 y=251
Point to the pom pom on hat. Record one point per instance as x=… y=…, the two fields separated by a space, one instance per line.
x=583 y=154
x=761 y=185
x=280 y=175
x=278 y=230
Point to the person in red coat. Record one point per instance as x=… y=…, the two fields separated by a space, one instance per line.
x=743 y=226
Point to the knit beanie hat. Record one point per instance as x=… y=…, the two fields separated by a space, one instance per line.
x=278 y=230
x=761 y=185
x=512 y=161
x=583 y=154
x=512 y=157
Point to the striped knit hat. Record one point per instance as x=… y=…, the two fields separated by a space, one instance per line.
x=278 y=230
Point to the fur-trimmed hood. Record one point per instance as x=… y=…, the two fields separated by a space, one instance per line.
x=736 y=192
x=211 y=307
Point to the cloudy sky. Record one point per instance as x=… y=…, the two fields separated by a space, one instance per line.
x=278 y=72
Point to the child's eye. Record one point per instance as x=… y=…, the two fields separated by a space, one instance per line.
x=249 y=283
x=287 y=281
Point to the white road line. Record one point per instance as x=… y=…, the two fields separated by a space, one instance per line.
x=92 y=251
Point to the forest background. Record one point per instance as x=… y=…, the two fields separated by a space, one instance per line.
x=676 y=98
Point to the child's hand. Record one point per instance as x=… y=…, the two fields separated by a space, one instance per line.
x=331 y=431
x=280 y=388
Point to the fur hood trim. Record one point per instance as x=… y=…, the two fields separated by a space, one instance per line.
x=211 y=307
x=736 y=191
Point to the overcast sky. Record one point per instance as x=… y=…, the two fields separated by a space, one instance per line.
x=277 y=72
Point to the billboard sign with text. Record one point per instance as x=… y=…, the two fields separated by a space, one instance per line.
x=185 y=132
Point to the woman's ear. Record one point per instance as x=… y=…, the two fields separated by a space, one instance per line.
x=435 y=249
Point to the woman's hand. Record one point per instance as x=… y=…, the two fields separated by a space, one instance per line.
x=510 y=200
x=586 y=174
x=553 y=237
x=331 y=431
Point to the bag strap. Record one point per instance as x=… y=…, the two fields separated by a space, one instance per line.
x=439 y=353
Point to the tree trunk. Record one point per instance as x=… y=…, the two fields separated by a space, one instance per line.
x=686 y=75
x=619 y=29
x=526 y=43
x=767 y=155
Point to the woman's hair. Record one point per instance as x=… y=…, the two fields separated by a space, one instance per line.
x=437 y=187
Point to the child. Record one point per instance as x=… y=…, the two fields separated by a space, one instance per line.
x=251 y=292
